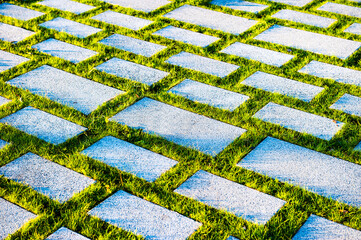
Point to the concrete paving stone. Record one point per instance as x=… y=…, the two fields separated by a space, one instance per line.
x=297 y=3
x=18 y=12
x=224 y=194
x=186 y=36
x=130 y=158
x=12 y=218
x=140 y=5
x=305 y=18
x=285 y=86
x=67 y=5
x=341 y=9
x=349 y=104
x=211 y=19
x=70 y=27
x=10 y=60
x=134 y=45
x=179 y=126
x=132 y=71
x=241 y=5
x=43 y=125
x=70 y=52
x=122 y=20
x=309 y=41
x=320 y=173
x=46 y=177
x=207 y=94
x=4 y=100
x=300 y=121
x=80 y=93
x=232 y=238
x=65 y=234
x=13 y=34
x=3 y=144
x=139 y=216
x=262 y=55
x=355 y=28
x=323 y=229
x=202 y=64
x=358 y=147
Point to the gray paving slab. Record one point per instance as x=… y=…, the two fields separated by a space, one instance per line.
x=18 y=12
x=355 y=28
x=4 y=100
x=80 y=93
x=211 y=19
x=67 y=5
x=46 y=177
x=134 y=45
x=13 y=34
x=140 y=5
x=300 y=121
x=179 y=126
x=341 y=9
x=224 y=194
x=122 y=20
x=65 y=234
x=3 y=144
x=207 y=94
x=139 y=216
x=12 y=218
x=241 y=5
x=323 y=229
x=358 y=147
x=43 y=125
x=70 y=52
x=132 y=71
x=202 y=64
x=297 y=3
x=275 y=84
x=186 y=36
x=232 y=238
x=130 y=158
x=349 y=104
x=10 y=60
x=262 y=55
x=310 y=41
x=70 y=27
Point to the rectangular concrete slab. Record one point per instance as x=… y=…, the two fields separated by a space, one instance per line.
x=140 y=5
x=134 y=45
x=130 y=158
x=122 y=20
x=211 y=19
x=3 y=144
x=232 y=238
x=49 y=178
x=202 y=64
x=355 y=28
x=358 y=147
x=320 y=173
x=18 y=12
x=207 y=94
x=285 y=86
x=224 y=194
x=43 y=125
x=341 y=9
x=4 y=100
x=65 y=234
x=10 y=60
x=13 y=34
x=349 y=104
x=262 y=55
x=186 y=36
x=139 y=216
x=132 y=71
x=67 y=5
x=241 y=5
x=297 y=3
x=179 y=126
x=309 y=41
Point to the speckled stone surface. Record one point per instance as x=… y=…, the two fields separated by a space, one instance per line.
x=49 y=178
x=3 y=143
x=241 y=5
x=349 y=104
x=67 y=5
x=180 y=126
x=224 y=194
x=211 y=19
x=4 y=100
x=10 y=60
x=43 y=125
x=232 y=238
x=65 y=234
x=139 y=216
x=140 y=5
x=13 y=34
x=358 y=147
x=18 y=12
x=341 y=9
x=355 y=28
x=297 y=3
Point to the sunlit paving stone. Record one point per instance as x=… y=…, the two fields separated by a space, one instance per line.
x=262 y=55
x=309 y=41
x=13 y=34
x=12 y=218
x=132 y=71
x=140 y=5
x=232 y=238
x=67 y=5
x=349 y=104
x=10 y=60
x=43 y=125
x=207 y=94
x=3 y=144
x=66 y=234
x=297 y=3
x=341 y=9
x=21 y=13
x=139 y=216
x=224 y=194
x=129 y=158
x=211 y=19
x=355 y=28
x=241 y=5
x=179 y=126
x=4 y=101
x=323 y=229
x=358 y=147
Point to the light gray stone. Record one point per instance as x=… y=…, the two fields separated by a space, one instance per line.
x=180 y=126
x=10 y=60
x=140 y=5
x=300 y=121
x=202 y=64
x=285 y=86
x=349 y=104
x=341 y=9
x=18 y=12
x=13 y=34
x=43 y=125
x=232 y=238
x=49 y=178
x=4 y=100
x=358 y=147
x=323 y=229
x=132 y=71
x=129 y=158
x=67 y=5
x=133 y=45
x=207 y=94
x=211 y=19
x=139 y=216
x=355 y=28
x=65 y=234
x=241 y=5
x=297 y=3
x=224 y=194
x=257 y=53
x=80 y=93
x=3 y=144
x=309 y=41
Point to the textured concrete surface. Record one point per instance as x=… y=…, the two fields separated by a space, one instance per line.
x=67 y=5
x=18 y=12
x=140 y=5
x=3 y=144
x=349 y=104
x=341 y=9
x=297 y=3
x=10 y=60
x=13 y=34
x=241 y=5
x=358 y=147
x=4 y=100
x=355 y=28
x=65 y=234
x=232 y=238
